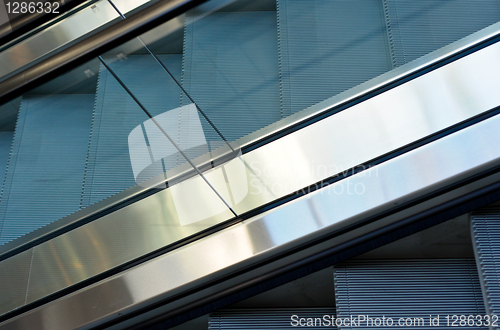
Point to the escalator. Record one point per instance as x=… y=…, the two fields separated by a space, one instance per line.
x=19 y=18
x=179 y=155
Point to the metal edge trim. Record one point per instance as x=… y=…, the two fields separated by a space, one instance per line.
x=31 y=22
x=138 y=193
x=92 y=47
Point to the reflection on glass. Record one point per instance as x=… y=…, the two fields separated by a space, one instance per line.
x=46 y=163
x=176 y=102
x=151 y=150
x=229 y=180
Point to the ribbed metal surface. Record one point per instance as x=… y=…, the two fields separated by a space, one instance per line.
x=116 y=114
x=326 y=47
x=486 y=240
x=408 y=289
x=420 y=27
x=5 y=145
x=265 y=319
x=230 y=68
x=44 y=176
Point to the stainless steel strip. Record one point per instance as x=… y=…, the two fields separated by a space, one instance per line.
x=89 y=48
x=125 y=6
x=15 y=272
x=398 y=180
x=56 y=36
x=4 y=18
x=33 y=24
x=423 y=106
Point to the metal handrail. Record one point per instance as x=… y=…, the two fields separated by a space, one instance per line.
x=26 y=23
x=87 y=49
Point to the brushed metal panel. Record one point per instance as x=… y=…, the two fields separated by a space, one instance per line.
x=4 y=18
x=14 y=275
x=402 y=115
x=120 y=237
x=62 y=33
x=432 y=166
x=56 y=36
x=125 y=6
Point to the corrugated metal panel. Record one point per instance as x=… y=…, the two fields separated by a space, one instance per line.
x=109 y=170
x=326 y=47
x=5 y=145
x=230 y=68
x=420 y=27
x=486 y=240
x=44 y=177
x=266 y=319
x=408 y=288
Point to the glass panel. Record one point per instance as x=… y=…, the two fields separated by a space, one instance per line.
x=253 y=67
x=175 y=138
x=249 y=65
x=177 y=101
x=78 y=140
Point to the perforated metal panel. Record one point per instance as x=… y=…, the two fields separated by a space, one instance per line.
x=44 y=176
x=420 y=27
x=116 y=114
x=408 y=289
x=486 y=239
x=267 y=319
x=326 y=47
x=230 y=68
